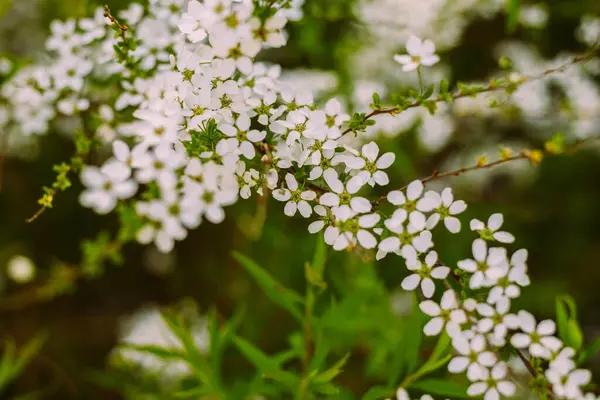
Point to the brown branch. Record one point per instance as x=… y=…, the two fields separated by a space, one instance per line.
x=534 y=156
x=121 y=27
x=493 y=85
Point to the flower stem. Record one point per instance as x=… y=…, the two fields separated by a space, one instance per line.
x=420 y=79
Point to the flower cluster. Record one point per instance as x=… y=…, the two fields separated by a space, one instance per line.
x=204 y=124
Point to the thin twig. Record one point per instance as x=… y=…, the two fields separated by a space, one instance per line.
x=523 y=155
x=490 y=87
x=122 y=27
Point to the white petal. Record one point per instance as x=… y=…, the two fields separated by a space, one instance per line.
x=433 y=327
x=316 y=226
x=386 y=160
x=458 y=364
x=495 y=221
x=360 y=205
x=366 y=239
x=290 y=208
x=396 y=198
x=414 y=190
x=411 y=282
x=452 y=224
x=428 y=287
x=504 y=237
x=429 y=307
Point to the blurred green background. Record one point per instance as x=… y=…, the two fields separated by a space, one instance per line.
x=554 y=212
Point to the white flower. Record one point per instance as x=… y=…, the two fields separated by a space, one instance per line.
x=244 y=138
x=568 y=385
x=473 y=357
x=371 y=167
x=343 y=194
x=445 y=208
x=493 y=385
x=496 y=319
x=411 y=203
x=538 y=340
x=190 y=23
x=106 y=185
x=419 y=53
x=296 y=199
x=350 y=228
x=490 y=232
x=447 y=313
x=486 y=266
x=513 y=276
x=407 y=241
x=424 y=271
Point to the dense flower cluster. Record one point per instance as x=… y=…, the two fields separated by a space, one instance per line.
x=209 y=125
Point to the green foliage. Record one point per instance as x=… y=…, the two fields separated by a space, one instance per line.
x=284 y=297
x=203 y=139
x=441 y=387
x=97 y=252
x=14 y=361
x=566 y=319
x=512 y=14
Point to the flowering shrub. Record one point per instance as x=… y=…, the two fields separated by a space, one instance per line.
x=192 y=123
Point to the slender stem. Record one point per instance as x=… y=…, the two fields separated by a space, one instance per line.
x=490 y=87
x=524 y=155
x=308 y=347
x=420 y=80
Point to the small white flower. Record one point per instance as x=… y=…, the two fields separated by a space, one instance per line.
x=445 y=208
x=106 y=185
x=371 y=167
x=485 y=266
x=538 y=340
x=496 y=319
x=568 y=385
x=350 y=228
x=343 y=194
x=419 y=53
x=447 y=313
x=412 y=203
x=490 y=232
x=297 y=199
x=473 y=357
x=513 y=277
x=423 y=272
x=493 y=385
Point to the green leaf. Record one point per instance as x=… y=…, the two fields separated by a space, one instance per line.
x=432 y=365
x=331 y=373
x=412 y=338
x=562 y=319
x=441 y=387
x=575 y=335
x=320 y=256
x=14 y=362
x=566 y=318
x=268 y=366
x=379 y=392
x=428 y=92
x=590 y=351
x=512 y=14
x=286 y=298
x=157 y=351
x=256 y=356
x=194 y=357
x=442 y=345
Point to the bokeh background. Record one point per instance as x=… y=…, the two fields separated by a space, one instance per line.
x=342 y=48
